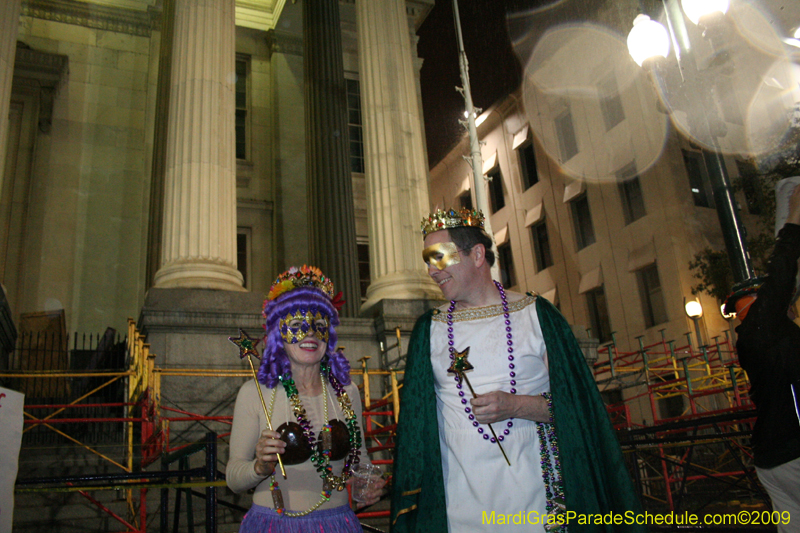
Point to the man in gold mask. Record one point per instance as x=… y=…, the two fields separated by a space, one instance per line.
x=500 y=416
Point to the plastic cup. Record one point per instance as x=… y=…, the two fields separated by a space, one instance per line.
x=365 y=477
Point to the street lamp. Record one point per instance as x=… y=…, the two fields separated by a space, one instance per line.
x=730 y=317
x=694 y=311
x=648 y=39
x=726 y=316
x=697 y=9
x=479 y=119
x=646 y=43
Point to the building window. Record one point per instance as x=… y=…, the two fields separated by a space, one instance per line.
x=698 y=179
x=653 y=307
x=541 y=246
x=610 y=102
x=242 y=103
x=355 y=126
x=630 y=191
x=565 y=129
x=582 y=220
x=465 y=200
x=527 y=163
x=506 y=264
x=496 y=196
x=752 y=187
x=363 y=268
x=598 y=314
x=632 y=201
x=243 y=253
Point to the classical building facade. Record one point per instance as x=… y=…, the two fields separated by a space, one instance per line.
x=165 y=159
x=183 y=145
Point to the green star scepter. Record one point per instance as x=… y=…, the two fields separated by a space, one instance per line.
x=247 y=347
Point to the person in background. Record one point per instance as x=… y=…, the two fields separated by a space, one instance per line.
x=769 y=350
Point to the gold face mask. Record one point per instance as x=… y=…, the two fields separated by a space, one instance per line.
x=441 y=255
x=296 y=327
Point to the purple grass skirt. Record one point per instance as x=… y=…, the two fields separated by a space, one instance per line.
x=265 y=520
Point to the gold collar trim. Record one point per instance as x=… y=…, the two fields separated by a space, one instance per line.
x=477 y=313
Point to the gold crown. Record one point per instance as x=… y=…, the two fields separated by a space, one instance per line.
x=305 y=276
x=451 y=218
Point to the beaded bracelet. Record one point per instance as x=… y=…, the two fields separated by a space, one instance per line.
x=549 y=397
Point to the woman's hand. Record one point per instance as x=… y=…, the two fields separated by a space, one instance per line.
x=377 y=488
x=267 y=449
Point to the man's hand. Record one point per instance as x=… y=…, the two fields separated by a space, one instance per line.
x=496 y=406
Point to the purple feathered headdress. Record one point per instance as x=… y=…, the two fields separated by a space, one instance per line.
x=299 y=288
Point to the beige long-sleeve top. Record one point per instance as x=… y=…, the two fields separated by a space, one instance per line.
x=303 y=486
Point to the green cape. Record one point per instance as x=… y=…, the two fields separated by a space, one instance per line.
x=596 y=480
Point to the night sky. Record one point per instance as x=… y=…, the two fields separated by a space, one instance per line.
x=494 y=69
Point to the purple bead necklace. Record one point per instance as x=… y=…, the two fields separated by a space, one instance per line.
x=512 y=374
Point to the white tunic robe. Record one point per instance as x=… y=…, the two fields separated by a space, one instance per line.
x=478 y=481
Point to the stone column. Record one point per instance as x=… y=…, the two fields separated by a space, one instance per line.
x=289 y=150
x=330 y=183
x=198 y=248
x=155 y=229
x=394 y=153
x=9 y=26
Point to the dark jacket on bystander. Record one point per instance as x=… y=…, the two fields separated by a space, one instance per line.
x=769 y=350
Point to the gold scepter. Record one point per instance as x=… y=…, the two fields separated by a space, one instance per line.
x=247 y=347
x=460 y=365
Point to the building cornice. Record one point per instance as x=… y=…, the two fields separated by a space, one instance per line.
x=284 y=43
x=42 y=66
x=42 y=72
x=258 y=14
x=417 y=11
x=94 y=16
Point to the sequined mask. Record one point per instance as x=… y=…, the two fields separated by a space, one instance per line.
x=295 y=327
x=441 y=255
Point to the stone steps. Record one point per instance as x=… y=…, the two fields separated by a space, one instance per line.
x=70 y=512
x=67 y=512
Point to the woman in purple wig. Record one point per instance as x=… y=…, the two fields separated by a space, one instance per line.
x=314 y=408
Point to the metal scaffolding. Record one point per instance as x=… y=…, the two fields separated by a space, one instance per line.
x=683 y=415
